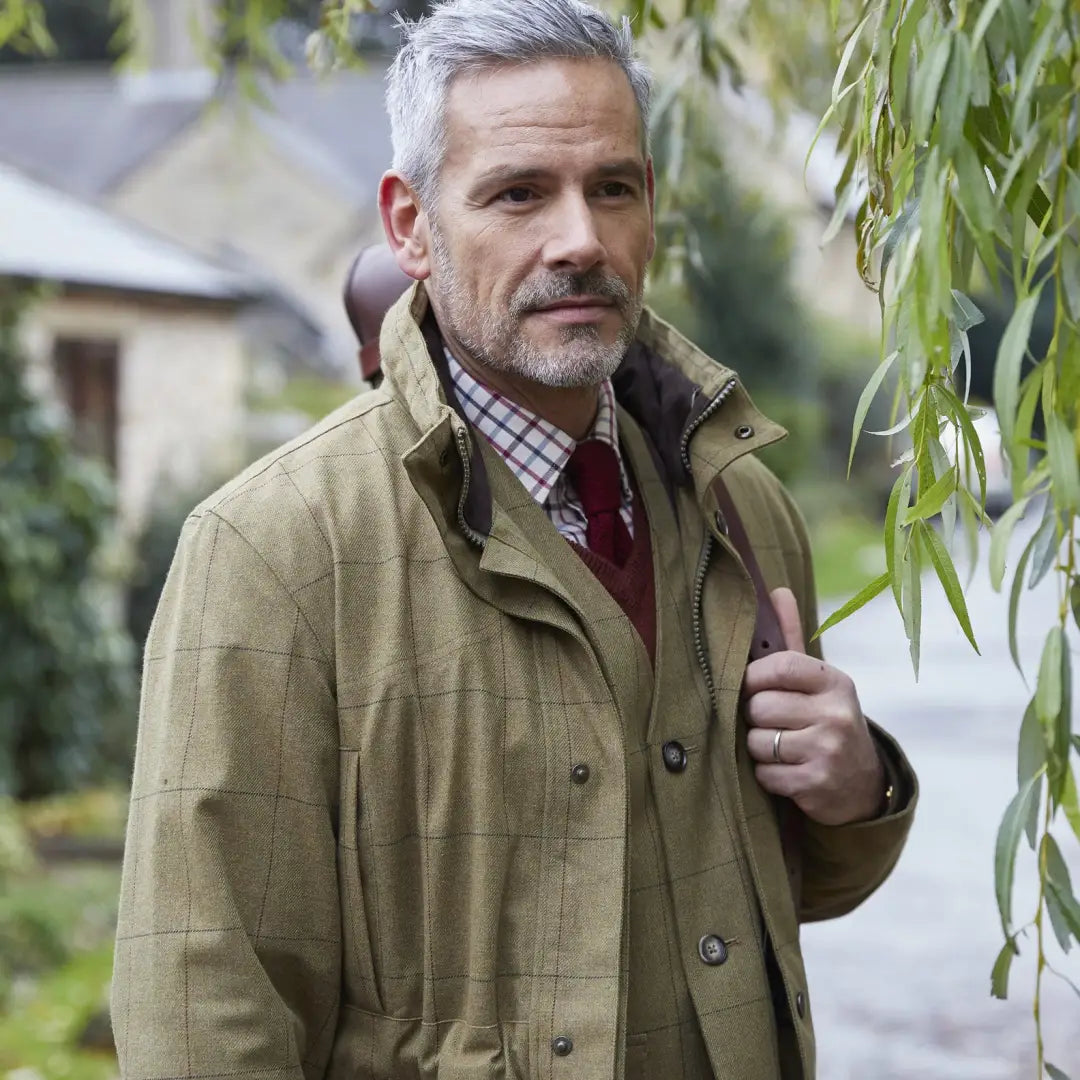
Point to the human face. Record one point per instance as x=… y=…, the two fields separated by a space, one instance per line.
x=542 y=229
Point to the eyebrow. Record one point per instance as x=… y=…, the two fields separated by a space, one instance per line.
x=514 y=174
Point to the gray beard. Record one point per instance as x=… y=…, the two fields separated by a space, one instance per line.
x=499 y=344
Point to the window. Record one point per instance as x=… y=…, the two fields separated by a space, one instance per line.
x=87 y=376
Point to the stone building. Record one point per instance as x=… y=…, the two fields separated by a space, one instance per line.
x=144 y=345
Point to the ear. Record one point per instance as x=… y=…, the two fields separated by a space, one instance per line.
x=650 y=187
x=405 y=224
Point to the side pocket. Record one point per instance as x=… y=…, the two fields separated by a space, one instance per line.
x=361 y=983
x=637 y=1058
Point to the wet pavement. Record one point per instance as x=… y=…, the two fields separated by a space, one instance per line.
x=901 y=987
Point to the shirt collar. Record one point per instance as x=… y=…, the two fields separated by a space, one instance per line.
x=535 y=449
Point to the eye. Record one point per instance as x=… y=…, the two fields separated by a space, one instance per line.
x=615 y=189
x=518 y=196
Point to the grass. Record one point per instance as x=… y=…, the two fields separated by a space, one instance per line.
x=57 y=924
x=848 y=552
x=40 y=1033
x=310 y=395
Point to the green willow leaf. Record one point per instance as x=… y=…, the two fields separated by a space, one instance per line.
x=983 y=21
x=1048 y=687
x=1063 y=732
x=956 y=93
x=1070 y=803
x=1033 y=64
x=966 y=312
x=933 y=500
x=1014 y=343
x=895 y=236
x=1059 y=895
x=928 y=78
x=999 y=977
x=1067 y=913
x=1070 y=279
x=973 y=444
x=1055 y=1073
x=902 y=53
x=943 y=467
x=1064 y=470
x=911 y=604
x=950 y=582
x=976 y=202
x=1046 y=545
x=1008 y=840
x=1031 y=753
x=1074 y=601
x=866 y=399
x=860 y=599
x=845 y=58
x=999 y=541
x=1053 y=706
x=894 y=535
x=1030 y=760
x=1014 y=603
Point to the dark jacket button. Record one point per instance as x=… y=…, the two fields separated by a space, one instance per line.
x=674 y=756
x=562 y=1045
x=800 y=1005
x=712 y=950
x=721 y=523
x=580 y=774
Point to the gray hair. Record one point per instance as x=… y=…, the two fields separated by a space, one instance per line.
x=464 y=36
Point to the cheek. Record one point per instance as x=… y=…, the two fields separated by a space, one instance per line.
x=630 y=246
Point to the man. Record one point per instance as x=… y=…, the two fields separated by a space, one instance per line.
x=451 y=762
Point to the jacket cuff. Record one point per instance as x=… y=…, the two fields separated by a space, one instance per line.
x=851 y=861
x=901 y=787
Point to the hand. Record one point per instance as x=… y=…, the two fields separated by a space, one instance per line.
x=829 y=765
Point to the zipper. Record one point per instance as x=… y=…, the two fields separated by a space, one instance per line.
x=699 y=630
x=461 y=437
x=709 y=543
x=724 y=393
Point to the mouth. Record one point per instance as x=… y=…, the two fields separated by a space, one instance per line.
x=577 y=309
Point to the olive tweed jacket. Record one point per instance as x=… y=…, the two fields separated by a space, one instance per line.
x=354 y=850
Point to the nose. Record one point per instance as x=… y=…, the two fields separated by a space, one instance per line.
x=574 y=243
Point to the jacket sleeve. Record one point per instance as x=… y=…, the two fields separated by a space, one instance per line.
x=228 y=943
x=844 y=864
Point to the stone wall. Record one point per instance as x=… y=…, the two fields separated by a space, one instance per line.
x=181 y=392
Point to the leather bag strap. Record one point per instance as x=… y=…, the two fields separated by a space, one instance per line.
x=767 y=639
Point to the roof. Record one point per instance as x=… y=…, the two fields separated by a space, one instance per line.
x=53 y=236
x=85 y=130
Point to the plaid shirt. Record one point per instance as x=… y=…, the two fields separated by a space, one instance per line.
x=537 y=451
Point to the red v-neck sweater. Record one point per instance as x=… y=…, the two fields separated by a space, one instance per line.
x=632 y=585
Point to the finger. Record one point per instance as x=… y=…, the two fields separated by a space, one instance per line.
x=787 y=614
x=786 y=671
x=789 y=781
x=794 y=746
x=781 y=709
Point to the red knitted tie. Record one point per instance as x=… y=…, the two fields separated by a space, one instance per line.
x=594 y=472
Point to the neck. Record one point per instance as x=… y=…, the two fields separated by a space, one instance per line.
x=570 y=409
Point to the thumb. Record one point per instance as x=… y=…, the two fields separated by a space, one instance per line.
x=787 y=614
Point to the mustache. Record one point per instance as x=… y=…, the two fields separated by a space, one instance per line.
x=536 y=294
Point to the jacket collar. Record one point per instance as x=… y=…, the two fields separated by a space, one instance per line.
x=694 y=412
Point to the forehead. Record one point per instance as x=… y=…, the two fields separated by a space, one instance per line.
x=565 y=112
